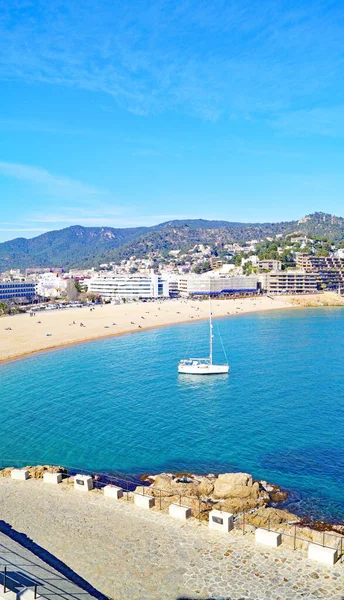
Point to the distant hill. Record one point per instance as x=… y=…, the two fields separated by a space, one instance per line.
x=79 y=246
x=72 y=246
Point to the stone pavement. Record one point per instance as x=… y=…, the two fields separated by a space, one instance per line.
x=130 y=553
x=25 y=569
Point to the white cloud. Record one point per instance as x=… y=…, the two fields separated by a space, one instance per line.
x=56 y=185
x=208 y=59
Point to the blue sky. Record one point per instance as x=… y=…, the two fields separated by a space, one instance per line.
x=128 y=113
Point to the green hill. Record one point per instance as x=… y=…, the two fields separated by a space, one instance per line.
x=78 y=246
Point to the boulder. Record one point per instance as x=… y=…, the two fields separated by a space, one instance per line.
x=166 y=485
x=263 y=516
x=205 y=487
x=238 y=505
x=35 y=472
x=234 y=485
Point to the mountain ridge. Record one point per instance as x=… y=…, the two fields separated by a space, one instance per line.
x=79 y=246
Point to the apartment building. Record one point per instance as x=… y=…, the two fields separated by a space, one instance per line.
x=288 y=282
x=21 y=290
x=269 y=265
x=200 y=285
x=328 y=270
x=111 y=286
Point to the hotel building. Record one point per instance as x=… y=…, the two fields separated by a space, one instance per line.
x=113 y=286
x=21 y=290
x=288 y=282
x=217 y=286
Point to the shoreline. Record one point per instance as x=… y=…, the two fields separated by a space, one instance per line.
x=24 y=345
x=131 y=481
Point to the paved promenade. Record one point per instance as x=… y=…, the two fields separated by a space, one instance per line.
x=25 y=569
x=127 y=552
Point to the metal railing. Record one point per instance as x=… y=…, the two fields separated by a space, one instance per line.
x=10 y=584
x=200 y=506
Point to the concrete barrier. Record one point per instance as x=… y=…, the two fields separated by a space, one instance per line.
x=178 y=511
x=112 y=491
x=52 y=478
x=83 y=483
x=8 y=595
x=144 y=501
x=220 y=520
x=325 y=556
x=268 y=538
x=21 y=474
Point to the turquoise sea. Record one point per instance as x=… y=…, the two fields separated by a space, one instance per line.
x=119 y=405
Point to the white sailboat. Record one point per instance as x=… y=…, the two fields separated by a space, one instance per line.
x=203 y=366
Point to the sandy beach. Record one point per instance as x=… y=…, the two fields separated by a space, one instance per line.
x=29 y=334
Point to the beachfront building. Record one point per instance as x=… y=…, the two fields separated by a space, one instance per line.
x=288 y=282
x=20 y=290
x=114 y=286
x=51 y=285
x=205 y=285
x=328 y=270
x=269 y=265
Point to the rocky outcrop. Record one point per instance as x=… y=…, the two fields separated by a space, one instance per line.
x=35 y=472
x=265 y=517
x=233 y=492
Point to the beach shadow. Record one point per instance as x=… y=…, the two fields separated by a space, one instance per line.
x=49 y=559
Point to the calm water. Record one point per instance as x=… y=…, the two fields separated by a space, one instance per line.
x=118 y=404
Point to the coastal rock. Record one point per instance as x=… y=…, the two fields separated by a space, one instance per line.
x=206 y=487
x=35 y=472
x=235 y=485
x=278 y=496
x=238 y=505
x=38 y=471
x=273 y=516
x=167 y=485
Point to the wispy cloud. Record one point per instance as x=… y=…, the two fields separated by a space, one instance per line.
x=56 y=185
x=226 y=57
x=327 y=121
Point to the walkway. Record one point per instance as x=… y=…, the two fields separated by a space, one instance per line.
x=127 y=552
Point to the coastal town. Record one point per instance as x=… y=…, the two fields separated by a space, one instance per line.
x=171 y=300
x=294 y=264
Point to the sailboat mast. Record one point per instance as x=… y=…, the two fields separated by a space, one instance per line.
x=210 y=332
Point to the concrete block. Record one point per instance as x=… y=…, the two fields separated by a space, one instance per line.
x=144 y=501
x=83 y=483
x=52 y=478
x=9 y=595
x=21 y=474
x=268 y=538
x=112 y=491
x=325 y=556
x=178 y=511
x=221 y=521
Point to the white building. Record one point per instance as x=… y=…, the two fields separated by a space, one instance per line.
x=50 y=285
x=201 y=285
x=111 y=286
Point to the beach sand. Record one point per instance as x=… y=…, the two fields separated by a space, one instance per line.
x=29 y=334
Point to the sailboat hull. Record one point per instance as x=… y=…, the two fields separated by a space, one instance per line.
x=204 y=369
